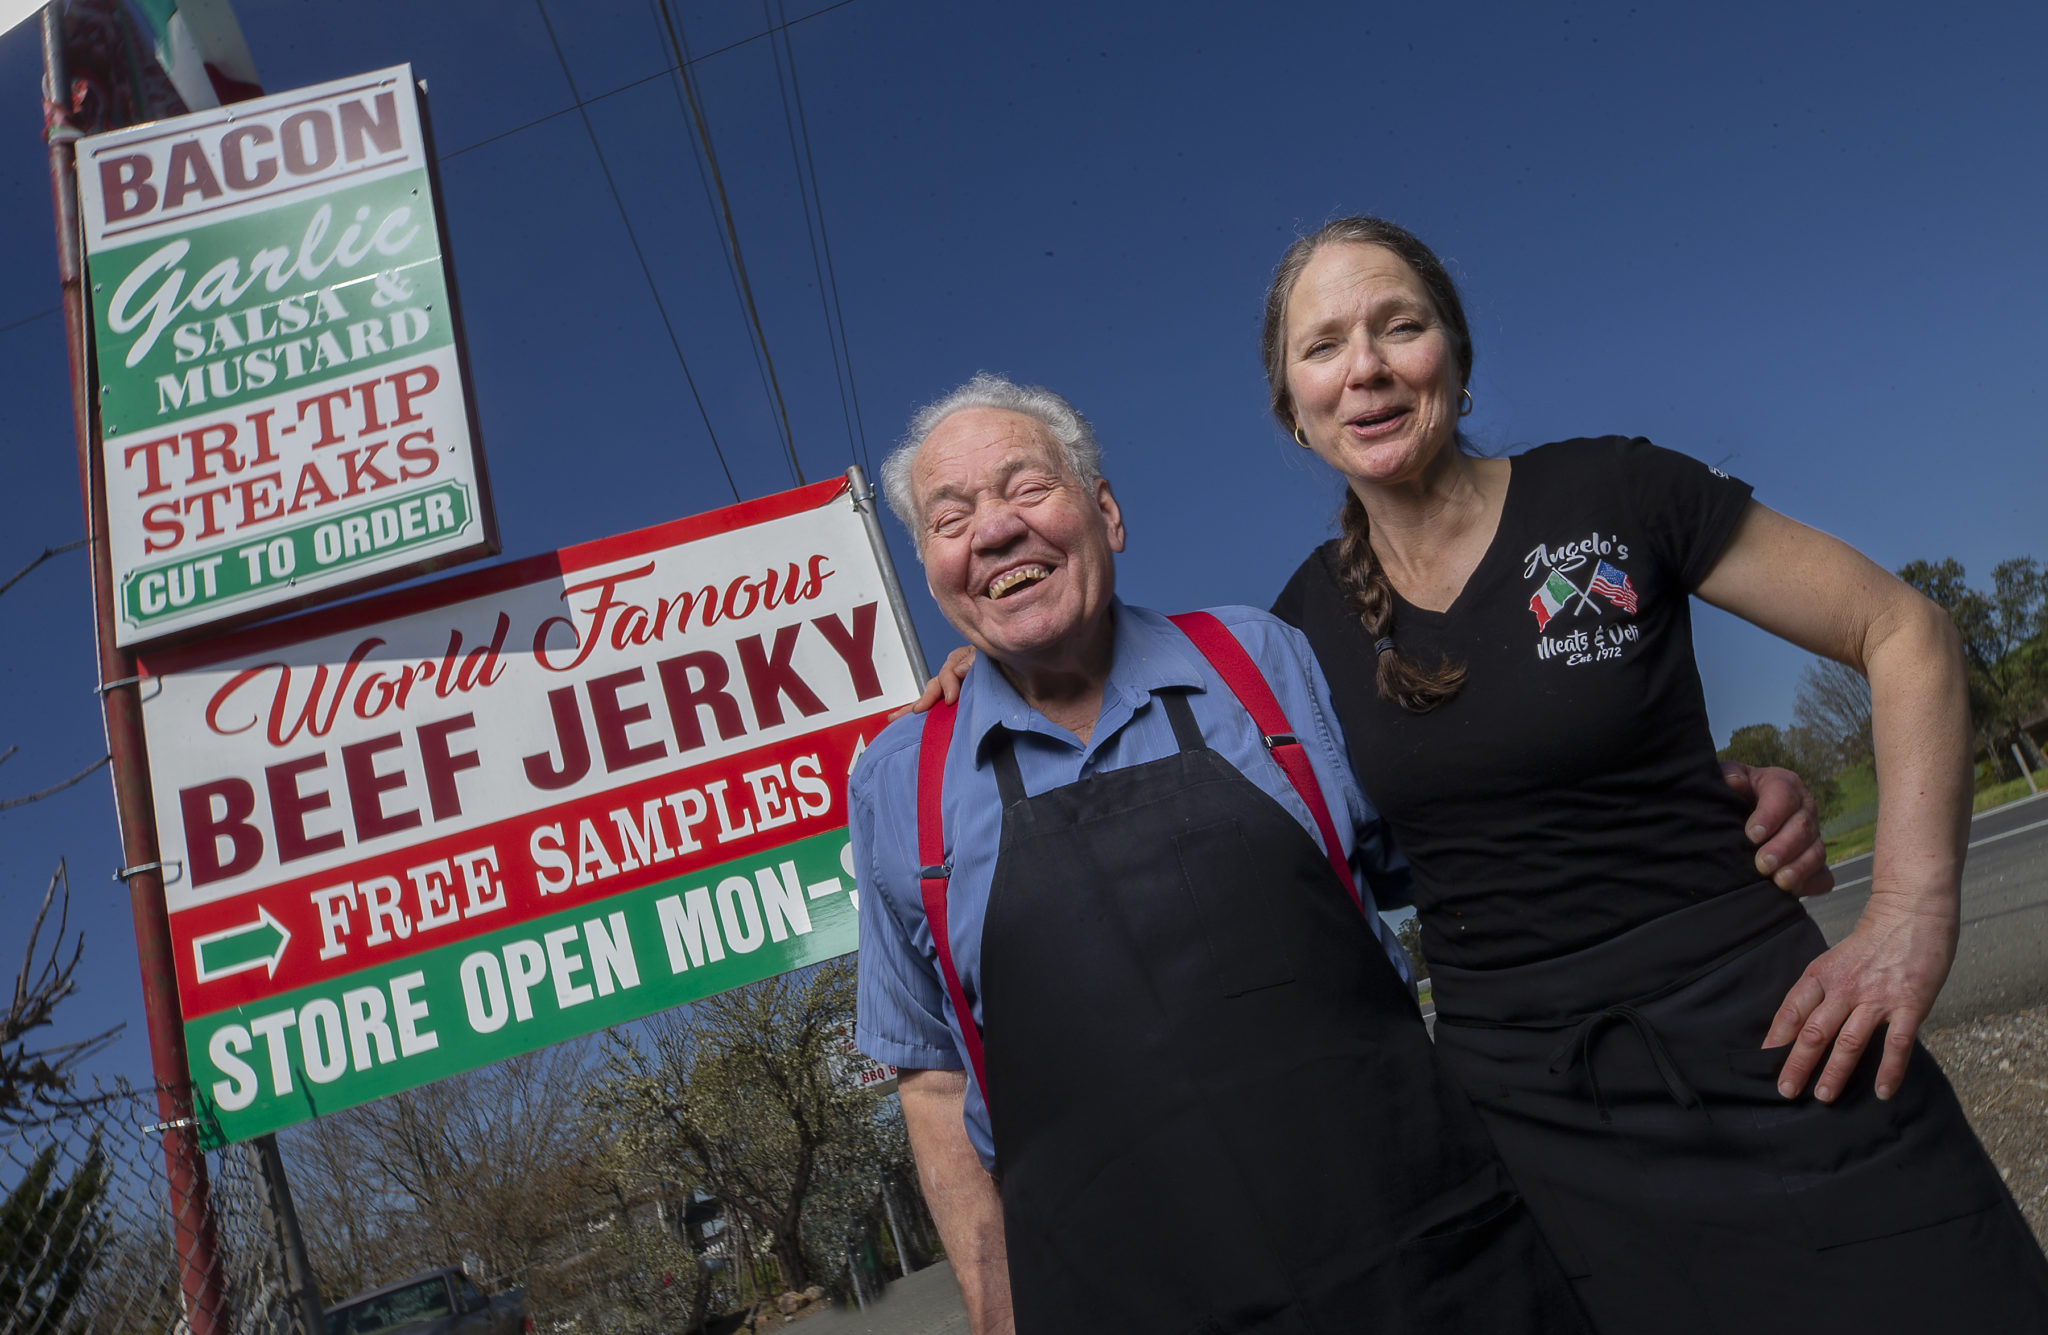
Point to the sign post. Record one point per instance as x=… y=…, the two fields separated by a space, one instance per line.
x=415 y=834
x=201 y=1281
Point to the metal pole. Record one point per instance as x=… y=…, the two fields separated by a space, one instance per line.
x=895 y=1233
x=2025 y=773
x=864 y=506
x=200 y=1276
x=298 y=1270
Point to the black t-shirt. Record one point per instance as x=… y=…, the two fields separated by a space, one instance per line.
x=1569 y=791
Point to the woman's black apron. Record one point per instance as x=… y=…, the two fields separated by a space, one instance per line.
x=1215 y=1108
x=1626 y=1088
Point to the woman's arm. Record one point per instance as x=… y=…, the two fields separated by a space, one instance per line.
x=1826 y=597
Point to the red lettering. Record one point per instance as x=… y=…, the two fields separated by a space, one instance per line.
x=289 y=808
x=265 y=454
x=366 y=788
x=442 y=764
x=311 y=481
x=219 y=448
x=204 y=829
x=684 y=700
x=280 y=704
x=424 y=456
x=163 y=521
x=234 y=157
x=209 y=524
x=256 y=491
x=856 y=647
x=152 y=462
x=363 y=467
x=323 y=406
x=770 y=677
x=403 y=384
x=189 y=173
x=541 y=771
x=612 y=719
x=124 y=187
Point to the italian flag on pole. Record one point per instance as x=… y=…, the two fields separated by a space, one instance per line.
x=1549 y=600
x=200 y=46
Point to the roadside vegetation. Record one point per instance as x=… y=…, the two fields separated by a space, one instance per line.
x=677 y=1176
x=2005 y=650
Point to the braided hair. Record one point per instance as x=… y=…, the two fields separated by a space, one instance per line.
x=1399 y=678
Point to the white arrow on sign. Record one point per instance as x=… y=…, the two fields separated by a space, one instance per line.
x=234 y=950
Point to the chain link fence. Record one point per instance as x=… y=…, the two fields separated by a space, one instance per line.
x=89 y=1244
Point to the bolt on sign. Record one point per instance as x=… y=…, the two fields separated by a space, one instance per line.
x=416 y=834
x=281 y=396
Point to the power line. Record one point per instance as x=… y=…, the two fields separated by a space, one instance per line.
x=828 y=280
x=638 y=254
x=732 y=231
x=628 y=87
x=724 y=255
x=30 y=319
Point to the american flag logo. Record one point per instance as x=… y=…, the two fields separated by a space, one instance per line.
x=1613 y=585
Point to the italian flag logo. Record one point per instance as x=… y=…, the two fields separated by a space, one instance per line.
x=1549 y=600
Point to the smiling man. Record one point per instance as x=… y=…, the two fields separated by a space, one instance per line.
x=1162 y=1064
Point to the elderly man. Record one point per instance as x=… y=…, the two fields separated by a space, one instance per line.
x=1162 y=1064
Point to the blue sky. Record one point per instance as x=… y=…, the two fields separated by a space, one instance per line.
x=1802 y=242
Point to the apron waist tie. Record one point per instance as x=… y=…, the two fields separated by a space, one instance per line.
x=1577 y=1049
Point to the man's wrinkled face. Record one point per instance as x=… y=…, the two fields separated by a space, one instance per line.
x=1018 y=552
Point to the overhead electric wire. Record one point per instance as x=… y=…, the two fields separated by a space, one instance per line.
x=828 y=280
x=30 y=319
x=682 y=55
x=638 y=254
x=724 y=255
x=627 y=87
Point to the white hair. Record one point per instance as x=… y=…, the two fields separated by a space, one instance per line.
x=1068 y=429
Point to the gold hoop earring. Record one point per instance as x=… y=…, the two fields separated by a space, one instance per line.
x=1466 y=411
x=1299 y=439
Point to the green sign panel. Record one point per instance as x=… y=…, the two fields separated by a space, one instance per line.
x=601 y=962
x=334 y=542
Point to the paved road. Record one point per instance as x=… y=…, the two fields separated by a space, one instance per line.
x=2002 y=955
x=926 y=1303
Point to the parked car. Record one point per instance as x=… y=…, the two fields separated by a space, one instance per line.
x=433 y=1302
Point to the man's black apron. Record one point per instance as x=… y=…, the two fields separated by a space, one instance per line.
x=1627 y=1089
x=1215 y=1107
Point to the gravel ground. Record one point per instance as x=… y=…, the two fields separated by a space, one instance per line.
x=1999 y=1067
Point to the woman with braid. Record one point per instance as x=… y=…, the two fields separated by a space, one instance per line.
x=1720 y=1124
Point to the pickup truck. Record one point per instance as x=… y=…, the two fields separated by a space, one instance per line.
x=433 y=1302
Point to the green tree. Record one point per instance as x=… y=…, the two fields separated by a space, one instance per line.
x=1409 y=934
x=50 y=1240
x=1812 y=757
x=1833 y=704
x=2005 y=643
x=736 y=1097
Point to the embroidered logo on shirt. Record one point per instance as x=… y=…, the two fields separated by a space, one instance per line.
x=1560 y=598
x=1613 y=585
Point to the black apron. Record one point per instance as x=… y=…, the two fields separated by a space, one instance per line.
x=1625 y=1086
x=1215 y=1109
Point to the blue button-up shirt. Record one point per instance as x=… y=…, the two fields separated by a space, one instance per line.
x=905 y=1016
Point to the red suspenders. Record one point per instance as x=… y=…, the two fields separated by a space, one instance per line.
x=1248 y=684
x=1245 y=681
x=932 y=876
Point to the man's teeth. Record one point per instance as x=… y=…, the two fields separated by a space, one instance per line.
x=1015 y=579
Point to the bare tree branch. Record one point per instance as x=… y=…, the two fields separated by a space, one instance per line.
x=48 y=552
x=54 y=788
x=40 y=1077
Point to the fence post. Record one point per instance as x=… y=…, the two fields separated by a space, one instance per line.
x=298 y=1271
